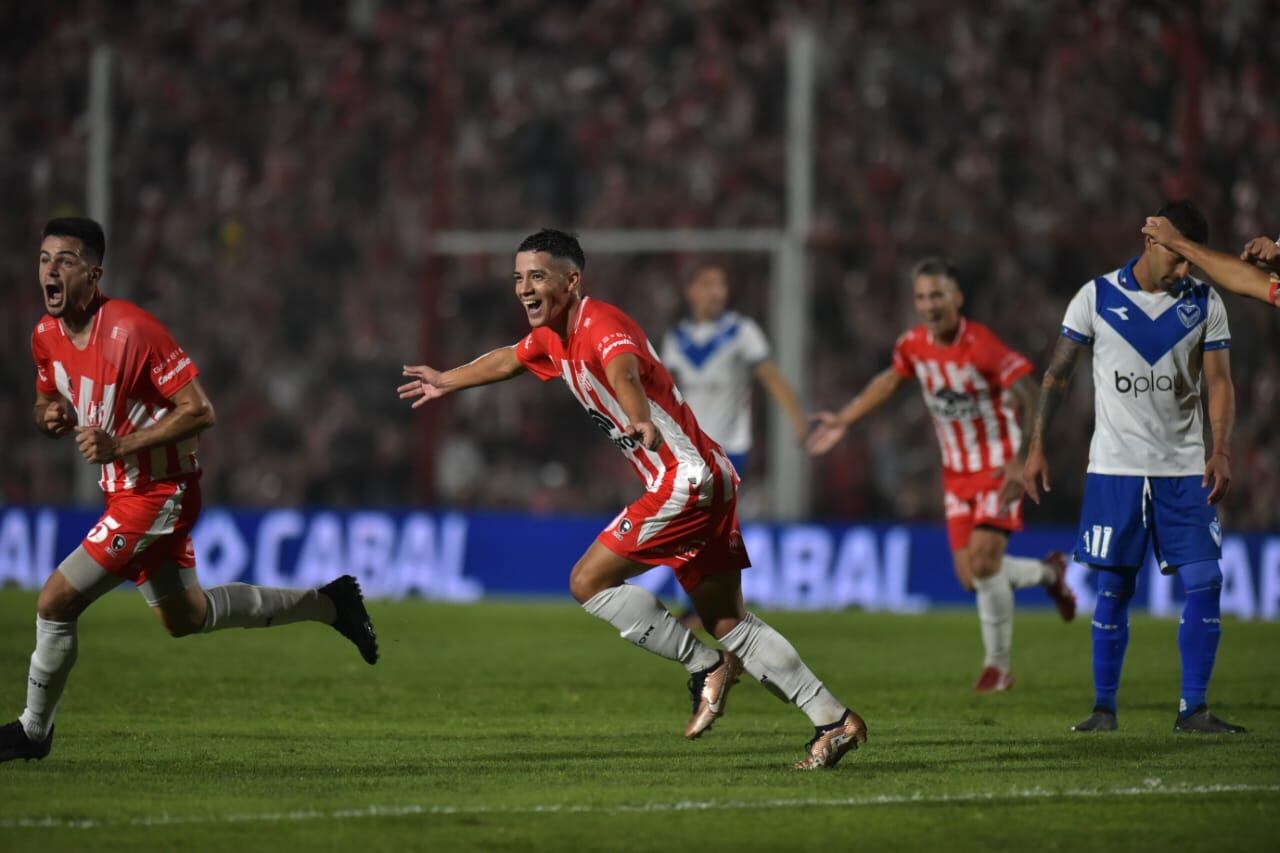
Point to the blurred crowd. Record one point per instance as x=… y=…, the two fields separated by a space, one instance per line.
x=278 y=170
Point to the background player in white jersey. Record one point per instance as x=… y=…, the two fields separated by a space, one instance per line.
x=687 y=516
x=1233 y=274
x=1154 y=332
x=973 y=385
x=715 y=355
x=111 y=373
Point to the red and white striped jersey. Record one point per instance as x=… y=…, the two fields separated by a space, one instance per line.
x=688 y=468
x=964 y=385
x=121 y=381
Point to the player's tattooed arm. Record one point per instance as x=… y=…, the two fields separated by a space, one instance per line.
x=1024 y=397
x=428 y=384
x=52 y=415
x=1222 y=418
x=1057 y=379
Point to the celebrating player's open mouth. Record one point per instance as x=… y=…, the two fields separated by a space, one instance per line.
x=53 y=295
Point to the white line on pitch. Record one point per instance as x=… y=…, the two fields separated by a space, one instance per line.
x=1152 y=787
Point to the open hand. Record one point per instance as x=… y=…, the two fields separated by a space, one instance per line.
x=826 y=434
x=1161 y=230
x=97 y=446
x=1217 y=470
x=1035 y=474
x=425 y=385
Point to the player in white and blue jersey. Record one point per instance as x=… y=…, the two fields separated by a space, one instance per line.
x=716 y=355
x=1155 y=332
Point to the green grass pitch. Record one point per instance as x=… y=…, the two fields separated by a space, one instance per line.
x=530 y=725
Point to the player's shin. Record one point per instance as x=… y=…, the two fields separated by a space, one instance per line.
x=1111 y=632
x=643 y=620
x=775 y=663
x=995 y=612
x=51 y=664
x=239 y=605
x=1199 y=631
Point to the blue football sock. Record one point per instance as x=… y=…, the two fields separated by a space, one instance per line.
x=1111 y=632
x=1199 y=631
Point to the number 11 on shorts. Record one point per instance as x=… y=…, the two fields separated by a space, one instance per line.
x=1098 y=541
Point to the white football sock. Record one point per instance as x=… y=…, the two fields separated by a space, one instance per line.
x=642 y=620
x=51 y=663
x=776 y=664
x=995 y=611
x=239 y=605
x=1023 y=572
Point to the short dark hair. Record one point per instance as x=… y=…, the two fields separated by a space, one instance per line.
x=557 y=244
x=1187 y=218
x=936 y=265
x=86 y=230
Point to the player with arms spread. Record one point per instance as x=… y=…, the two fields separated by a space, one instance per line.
x=687 y=516
x=111 y=374
x=972 y=384
x=1154 y=331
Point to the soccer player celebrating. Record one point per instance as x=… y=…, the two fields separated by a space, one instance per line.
x=1153 y=330
x=1233 y=274
x=110 y=374
x=972 y=384
x=687 y=517
x=714 y=355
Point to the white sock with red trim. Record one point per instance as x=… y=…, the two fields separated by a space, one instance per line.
x=239 y=605
x=642 y=620
x=1024 y=572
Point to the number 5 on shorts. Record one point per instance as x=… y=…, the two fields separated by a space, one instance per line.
x=103 y=529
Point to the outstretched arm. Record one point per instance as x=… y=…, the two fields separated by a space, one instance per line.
x=1232 y=274
x=429 y=383
x=623 y=373
x=1057 y=379
x=831 y=427
x=1222 y=419
x=780 y=389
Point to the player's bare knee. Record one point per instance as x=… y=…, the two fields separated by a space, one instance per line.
x=583 y=583
x=984 y=564
x=182 y=624
x=59 y=602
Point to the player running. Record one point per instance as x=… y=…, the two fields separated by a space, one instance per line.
x=714 y=355
x=1233 y=274
x=972 y=384
x=1153 y=330
x=687 y=516
x=110 y=373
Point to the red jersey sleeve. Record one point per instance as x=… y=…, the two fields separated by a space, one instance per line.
x=44 y=369
x=902 y=358
x=167 y=365
x=1002 y=366
x=533 y=355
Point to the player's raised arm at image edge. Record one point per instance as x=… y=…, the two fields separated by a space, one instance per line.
x=831 y=426
x=428 y=383
x=1233 y=274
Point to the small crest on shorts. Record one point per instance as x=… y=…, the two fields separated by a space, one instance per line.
x=624 y=527
x=1189 y=313
x=1215 y=530
x=117 y=544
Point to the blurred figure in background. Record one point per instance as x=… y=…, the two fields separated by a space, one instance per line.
x=975 y=388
